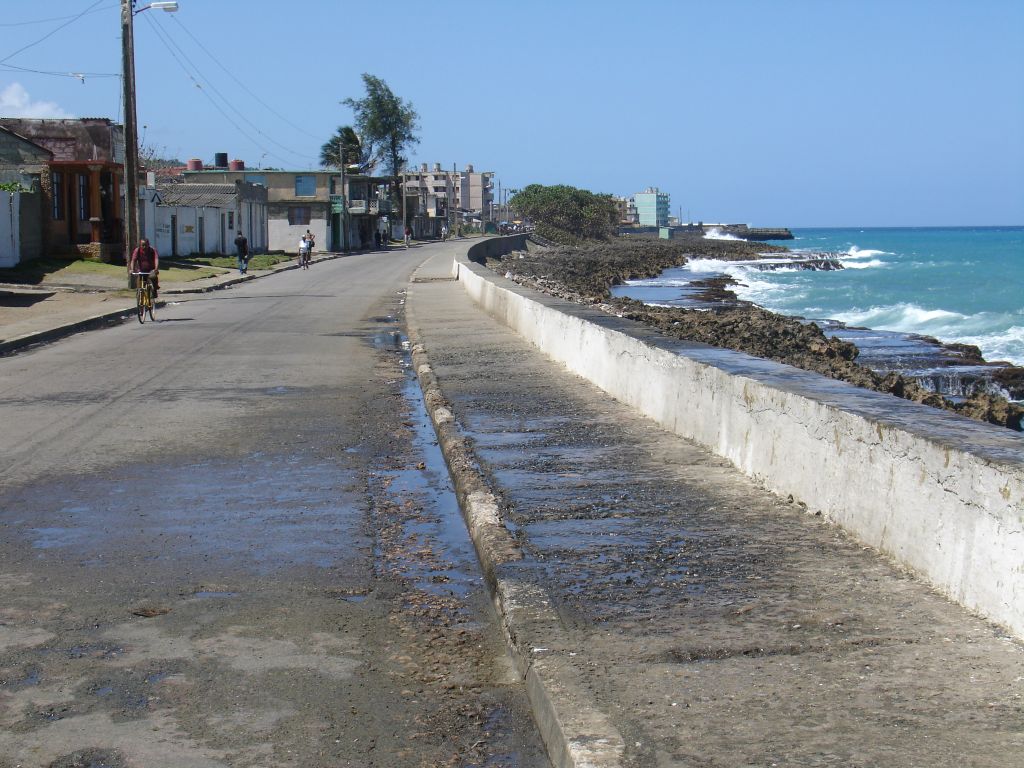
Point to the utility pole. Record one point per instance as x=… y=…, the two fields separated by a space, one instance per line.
x=131 y=139
x=131 y=134
x=344 y=205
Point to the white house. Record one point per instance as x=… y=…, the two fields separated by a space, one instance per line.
x=186 y=219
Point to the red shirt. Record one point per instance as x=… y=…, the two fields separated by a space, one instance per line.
x=145 y=259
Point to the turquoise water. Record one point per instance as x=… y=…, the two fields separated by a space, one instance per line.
x=958 y=284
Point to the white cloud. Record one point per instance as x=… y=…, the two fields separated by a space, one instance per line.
x=16 y=102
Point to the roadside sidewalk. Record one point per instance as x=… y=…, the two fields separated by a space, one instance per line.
x=49 y=311
x=663 y=609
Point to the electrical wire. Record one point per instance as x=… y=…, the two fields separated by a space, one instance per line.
x=169 y=41
x=51 y=33
x=76 y=75
x=58 y=18
x=161 y=35
x=255 y=96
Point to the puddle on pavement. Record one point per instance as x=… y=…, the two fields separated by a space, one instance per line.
x=266 y=512
x=32 y=676
x=452 y=569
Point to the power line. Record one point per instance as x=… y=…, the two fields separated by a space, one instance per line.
x=57 y=18
x=223 y=98
x=77 y=75
x=242 y=84
x=51 y=33
x=162 y=36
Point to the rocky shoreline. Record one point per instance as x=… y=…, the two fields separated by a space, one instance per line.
x=586 y=274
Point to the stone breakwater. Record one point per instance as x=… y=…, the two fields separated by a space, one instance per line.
x=585 y=274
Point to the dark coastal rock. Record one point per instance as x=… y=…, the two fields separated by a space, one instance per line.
x=1011 y=380
x=817 y=263
x=585 y=274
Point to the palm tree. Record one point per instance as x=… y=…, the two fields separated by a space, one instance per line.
x=344 y=149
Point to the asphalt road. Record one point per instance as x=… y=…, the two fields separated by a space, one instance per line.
x=227 y=539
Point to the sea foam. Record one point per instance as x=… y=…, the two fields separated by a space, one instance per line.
x=716 y=234
x=850 y=264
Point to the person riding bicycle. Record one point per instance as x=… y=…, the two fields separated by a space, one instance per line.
x=146 y=259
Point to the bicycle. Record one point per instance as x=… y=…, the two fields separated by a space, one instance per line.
x=304 y=258
x=144 y=302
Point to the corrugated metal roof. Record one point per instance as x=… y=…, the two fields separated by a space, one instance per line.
x=199 y=195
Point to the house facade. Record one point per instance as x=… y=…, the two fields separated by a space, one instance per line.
x=185 y=219
x=80 y=184
x=312 y=200
x=25 y=166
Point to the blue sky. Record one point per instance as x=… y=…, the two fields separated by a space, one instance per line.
x=785 y=113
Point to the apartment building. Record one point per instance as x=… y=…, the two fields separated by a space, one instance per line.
x=435 y=195
x=652 y=207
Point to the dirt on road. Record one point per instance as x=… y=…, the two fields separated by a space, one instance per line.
x=313 y=601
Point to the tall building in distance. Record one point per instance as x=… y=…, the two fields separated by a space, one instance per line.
x=439 y=192
x=652 y=207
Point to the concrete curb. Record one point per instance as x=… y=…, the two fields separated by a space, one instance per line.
x=105 y=320
x=576 y=732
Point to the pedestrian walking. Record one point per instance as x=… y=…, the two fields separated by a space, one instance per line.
x=304 y=252
x=408 y=235
x=444 y=232
x=242 y=251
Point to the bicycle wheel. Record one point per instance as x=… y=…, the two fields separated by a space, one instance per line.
x=140 y=303
x=150 y=302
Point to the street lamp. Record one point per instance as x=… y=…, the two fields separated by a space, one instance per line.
x=131 y=137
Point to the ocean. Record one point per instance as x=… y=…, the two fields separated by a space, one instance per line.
x=957 y=284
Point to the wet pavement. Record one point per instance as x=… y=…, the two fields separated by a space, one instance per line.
x=229 y=540
x=712 y=623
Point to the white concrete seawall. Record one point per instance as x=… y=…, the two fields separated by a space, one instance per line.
x=941 y=494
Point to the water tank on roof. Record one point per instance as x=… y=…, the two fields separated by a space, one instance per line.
x=220 y=160
x=237 y=165
x=195 y=164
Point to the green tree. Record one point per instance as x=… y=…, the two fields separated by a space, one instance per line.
x=567 y=213
x=345 y=149
x=386 y=122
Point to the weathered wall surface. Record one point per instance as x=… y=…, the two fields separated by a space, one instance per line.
x=941 y=494
x=10 y=231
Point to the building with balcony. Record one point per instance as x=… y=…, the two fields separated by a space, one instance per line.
x=652 y=207
x=313 y=200
x=435 y=196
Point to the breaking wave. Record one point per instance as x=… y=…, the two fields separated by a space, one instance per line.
x=856 y=253
x=999 y=336
x=849 y=264
x=716 y=234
